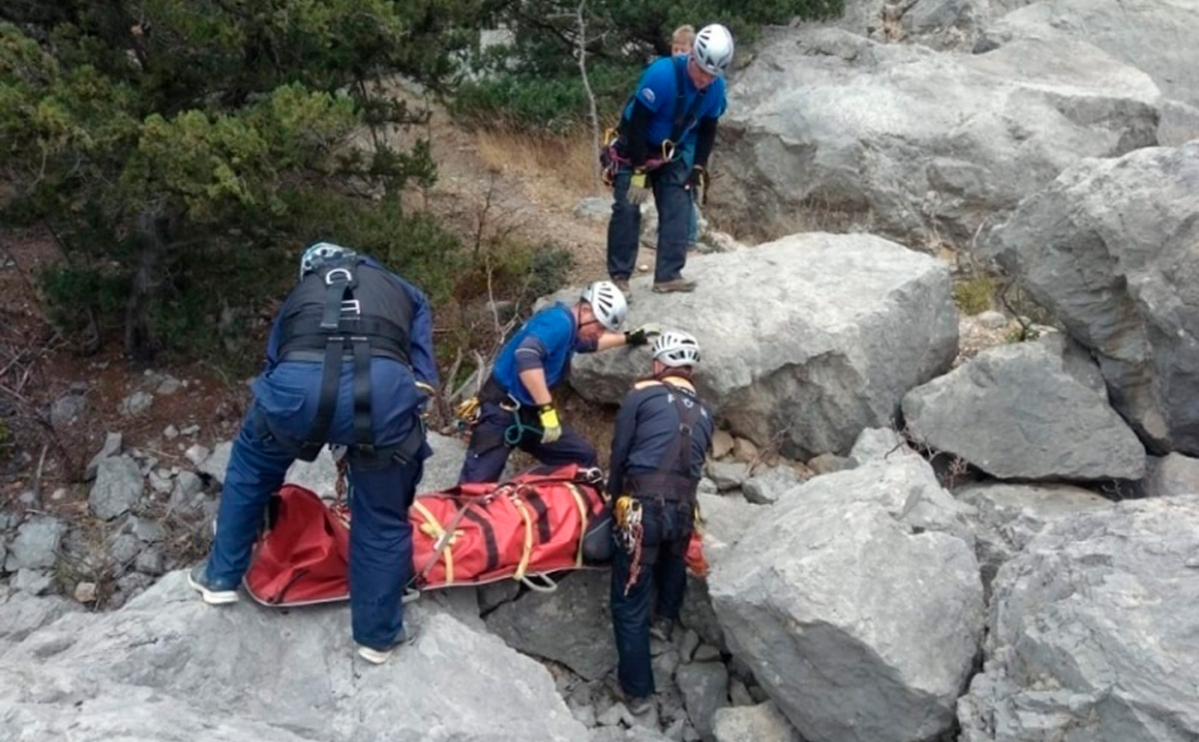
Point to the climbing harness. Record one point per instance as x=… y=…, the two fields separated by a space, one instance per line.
x=628 y=513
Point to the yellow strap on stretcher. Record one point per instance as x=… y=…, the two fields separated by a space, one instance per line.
x=431 y=527
x=523 y=567
x=582 y=520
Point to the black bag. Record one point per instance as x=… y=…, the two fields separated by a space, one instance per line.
x=597 y=540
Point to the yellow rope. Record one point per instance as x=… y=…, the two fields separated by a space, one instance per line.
x=582 y=520
x=528 y=553
x=431 y=527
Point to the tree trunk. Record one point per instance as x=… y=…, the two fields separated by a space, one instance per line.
x=140 y=344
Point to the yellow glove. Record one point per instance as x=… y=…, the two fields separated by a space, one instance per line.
x=638 y=190
x=551 y=429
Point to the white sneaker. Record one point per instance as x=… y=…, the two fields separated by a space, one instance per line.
x=379 y=656
x=211 y=592
x=375 y=656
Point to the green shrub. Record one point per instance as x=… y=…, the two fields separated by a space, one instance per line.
x=973 y=295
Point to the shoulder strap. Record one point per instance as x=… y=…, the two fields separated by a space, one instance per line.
x=680 y=448
x=683 y=117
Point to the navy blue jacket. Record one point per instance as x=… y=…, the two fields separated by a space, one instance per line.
x=646 y=426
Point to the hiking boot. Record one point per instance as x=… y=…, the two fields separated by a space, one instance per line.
x=678 y=285
x=623 y=285
x=379 y=656
x=662 y=628
x=213 y=593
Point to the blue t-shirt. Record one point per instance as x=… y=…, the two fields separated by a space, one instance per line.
x=555 y=329
x=657 y=90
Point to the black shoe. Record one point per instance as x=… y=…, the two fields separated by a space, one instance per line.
x=213 y=593
x=662 y=628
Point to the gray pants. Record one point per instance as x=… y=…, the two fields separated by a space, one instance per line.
x=674 y=210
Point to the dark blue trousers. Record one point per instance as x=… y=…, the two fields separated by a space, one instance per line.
x=488 y=450
x=667 y=530
x=675 y=207
x=380 y=495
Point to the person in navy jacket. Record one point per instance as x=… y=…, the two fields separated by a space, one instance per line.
x=663 y=432
x=349 y=362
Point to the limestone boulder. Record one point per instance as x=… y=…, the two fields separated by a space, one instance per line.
x=1092 y=631
x=856 y=602
x=1108 y=249
x=806 y=340
x=166 y=666
x=829 y=129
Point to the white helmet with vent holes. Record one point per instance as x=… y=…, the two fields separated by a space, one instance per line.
x=713 y=49
x=676 y=348
x=607 y=304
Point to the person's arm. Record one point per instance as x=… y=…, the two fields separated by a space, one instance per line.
x=705 y=138
x=622 y=443
x=533 y=380
x=637 y=134
x=611 y=340
x=424 y=363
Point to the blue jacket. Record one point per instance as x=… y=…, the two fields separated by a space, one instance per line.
x=290 y=390
x=646 y=425
x=547 y=341
x=657 y=89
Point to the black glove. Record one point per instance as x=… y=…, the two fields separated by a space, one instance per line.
x=641 y=335
x=697 y=178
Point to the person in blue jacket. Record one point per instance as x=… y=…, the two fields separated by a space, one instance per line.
x=674 y=111
x=516 y=408
x=349 y=362
x=663 y=432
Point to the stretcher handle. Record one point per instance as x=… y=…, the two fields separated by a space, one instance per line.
x=546 y=586
x=411 y=594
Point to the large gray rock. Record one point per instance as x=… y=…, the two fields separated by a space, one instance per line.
x=768 y=485
x=36 y=545
x=904 y=141
x=856 y=602
x=111 y=447
x=1172 y=474
x=572 y=625
x=1155 y=36
x=168 y=667
x=442 y=468
x=215 y=464
x=1008 y=516
x=22 y=613
x=705 y=688
x=761 y=723
x=118 y=487
x=1021 y=411
x=1092 y=632
x=1108 y=248
x=940 y=24
x=810 y=338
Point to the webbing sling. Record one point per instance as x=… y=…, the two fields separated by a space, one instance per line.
x=339 y=283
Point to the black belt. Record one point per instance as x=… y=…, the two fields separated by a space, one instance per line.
x=317 y=356
x=667 y=485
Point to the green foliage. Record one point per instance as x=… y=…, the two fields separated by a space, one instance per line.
x=184 y=150
x=973 y=295
x=535 y=81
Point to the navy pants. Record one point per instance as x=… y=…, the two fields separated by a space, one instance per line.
x=380 y=491
x=667 y=531
x=675 y=207
x=488 y=450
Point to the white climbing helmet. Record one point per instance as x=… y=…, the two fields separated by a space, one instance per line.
x=607 y=304
x=713 y=49
x=318 y=253
x=676 y=348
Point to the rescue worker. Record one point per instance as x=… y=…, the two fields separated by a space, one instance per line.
x=515 y=407
x=349 y=362
x=663 y=432
x=674 y=111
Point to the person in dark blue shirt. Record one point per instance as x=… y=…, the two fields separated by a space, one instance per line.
x=349 y=362
x=516 y=408
x=663 y=432
x=674 y=111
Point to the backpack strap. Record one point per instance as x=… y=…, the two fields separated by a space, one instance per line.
x=684 y=116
